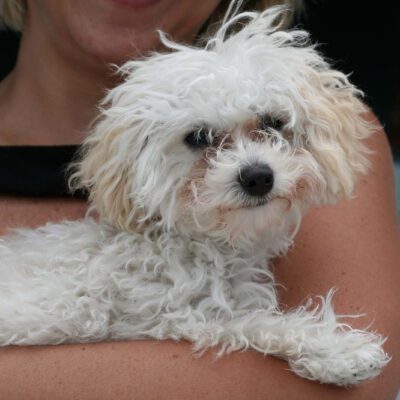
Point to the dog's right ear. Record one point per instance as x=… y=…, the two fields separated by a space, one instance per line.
x=105 y=170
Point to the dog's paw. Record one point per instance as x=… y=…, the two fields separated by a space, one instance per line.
x=355 y=357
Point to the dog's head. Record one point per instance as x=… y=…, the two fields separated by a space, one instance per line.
x=234 y=139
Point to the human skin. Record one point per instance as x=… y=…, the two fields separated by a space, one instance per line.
x=65 y=61
x=353 y=246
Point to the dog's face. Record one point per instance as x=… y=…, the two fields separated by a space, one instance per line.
x=235 y=140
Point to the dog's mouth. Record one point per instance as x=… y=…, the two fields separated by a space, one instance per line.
x=245 y=204
x=255 y=202
x=248 y=203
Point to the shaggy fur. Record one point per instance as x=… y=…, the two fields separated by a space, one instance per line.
x=180 y=251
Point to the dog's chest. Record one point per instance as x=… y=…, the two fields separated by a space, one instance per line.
x=170 y=274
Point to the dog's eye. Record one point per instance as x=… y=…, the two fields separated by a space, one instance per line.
x=199 y=139
x=269 y=122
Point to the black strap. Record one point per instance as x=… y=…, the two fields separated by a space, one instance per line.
x=38 y=171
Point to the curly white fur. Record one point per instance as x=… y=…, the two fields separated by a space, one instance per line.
x=180 y=250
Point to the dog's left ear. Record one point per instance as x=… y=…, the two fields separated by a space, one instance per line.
x=336 y=128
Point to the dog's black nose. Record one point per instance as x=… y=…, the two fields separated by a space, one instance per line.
x=256 y=180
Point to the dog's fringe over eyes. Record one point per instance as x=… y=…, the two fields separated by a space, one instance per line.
x=200 y=169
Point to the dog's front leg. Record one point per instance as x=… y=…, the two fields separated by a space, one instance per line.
x=315 y=344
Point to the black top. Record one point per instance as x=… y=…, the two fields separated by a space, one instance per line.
x=36 y=170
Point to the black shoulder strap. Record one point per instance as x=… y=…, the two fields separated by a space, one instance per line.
x=38 y=171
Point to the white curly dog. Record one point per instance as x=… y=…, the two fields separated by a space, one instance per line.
x=200 y=168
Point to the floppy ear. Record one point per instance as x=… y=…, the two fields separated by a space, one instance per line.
x=107 y=163
x=105 y=169
x=336 y=129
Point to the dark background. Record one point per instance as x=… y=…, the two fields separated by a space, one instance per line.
x=359 y=37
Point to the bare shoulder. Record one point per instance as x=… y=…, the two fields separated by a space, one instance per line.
x=354 y=246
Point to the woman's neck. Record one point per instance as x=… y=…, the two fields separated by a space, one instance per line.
x=52 y=94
